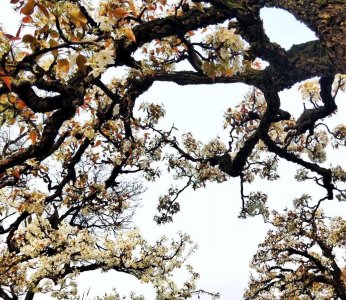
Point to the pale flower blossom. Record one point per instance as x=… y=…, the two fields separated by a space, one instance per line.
x=116 y=110
x=106 y=23
x=104 y=57
x=101 y=60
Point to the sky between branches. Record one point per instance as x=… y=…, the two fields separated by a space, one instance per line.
x=226 y=243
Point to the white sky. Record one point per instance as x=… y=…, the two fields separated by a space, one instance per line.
x=226 y=243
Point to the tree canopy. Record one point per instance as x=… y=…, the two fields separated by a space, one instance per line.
x=72 y=146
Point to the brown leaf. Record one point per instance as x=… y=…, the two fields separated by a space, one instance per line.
x=27 y=19
x=33 y=136
x=6 y=79
x=11 y=37
x=43 y=9
x=15 y=173
x=54 y=43
x=120 y=13
x=63 y=65
x=20 y=104
x=28 y=9
x=54 y=34
x=81 y=61
x=28 y=38
x=98 y=143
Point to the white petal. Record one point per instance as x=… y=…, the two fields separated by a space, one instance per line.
x=116 y=110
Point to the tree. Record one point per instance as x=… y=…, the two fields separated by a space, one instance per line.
x=302 y=257
x=82 y=141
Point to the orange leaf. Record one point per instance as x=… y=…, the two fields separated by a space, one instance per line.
x=108 y=42
x=28 y=9
x=12 y=100
x=15 y=173
x=20 y=104
x=120 y=13
x=87 y=99
x=6 y=79
x=33 y=136
x=129 y=34
x=27 y=19
x=229 y=72
x=63 y=65
x=98 y=143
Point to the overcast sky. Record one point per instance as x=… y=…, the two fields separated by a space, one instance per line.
x=226 y=243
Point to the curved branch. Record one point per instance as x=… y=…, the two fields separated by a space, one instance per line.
x=325 y=173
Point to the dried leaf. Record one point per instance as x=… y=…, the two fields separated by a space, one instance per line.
x=28 y=9
x=229 y=72
x=20 y=104
x=28 y=38
x=16 y=174
x=27 y=19
x=63 y=65
x=78 y=18
x=120 y=13
x=6 y=79
x=54 y=43
x=98 y=143
x=11 y=37
x=33 y=137
x=21 y=129
x=54 y=34
x=108 y=42
x=81 y=61
x=43 y=9
x=129 y=34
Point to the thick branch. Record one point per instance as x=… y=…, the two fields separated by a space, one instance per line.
x=42 y=148
x=251 y=77
x=251 y=29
